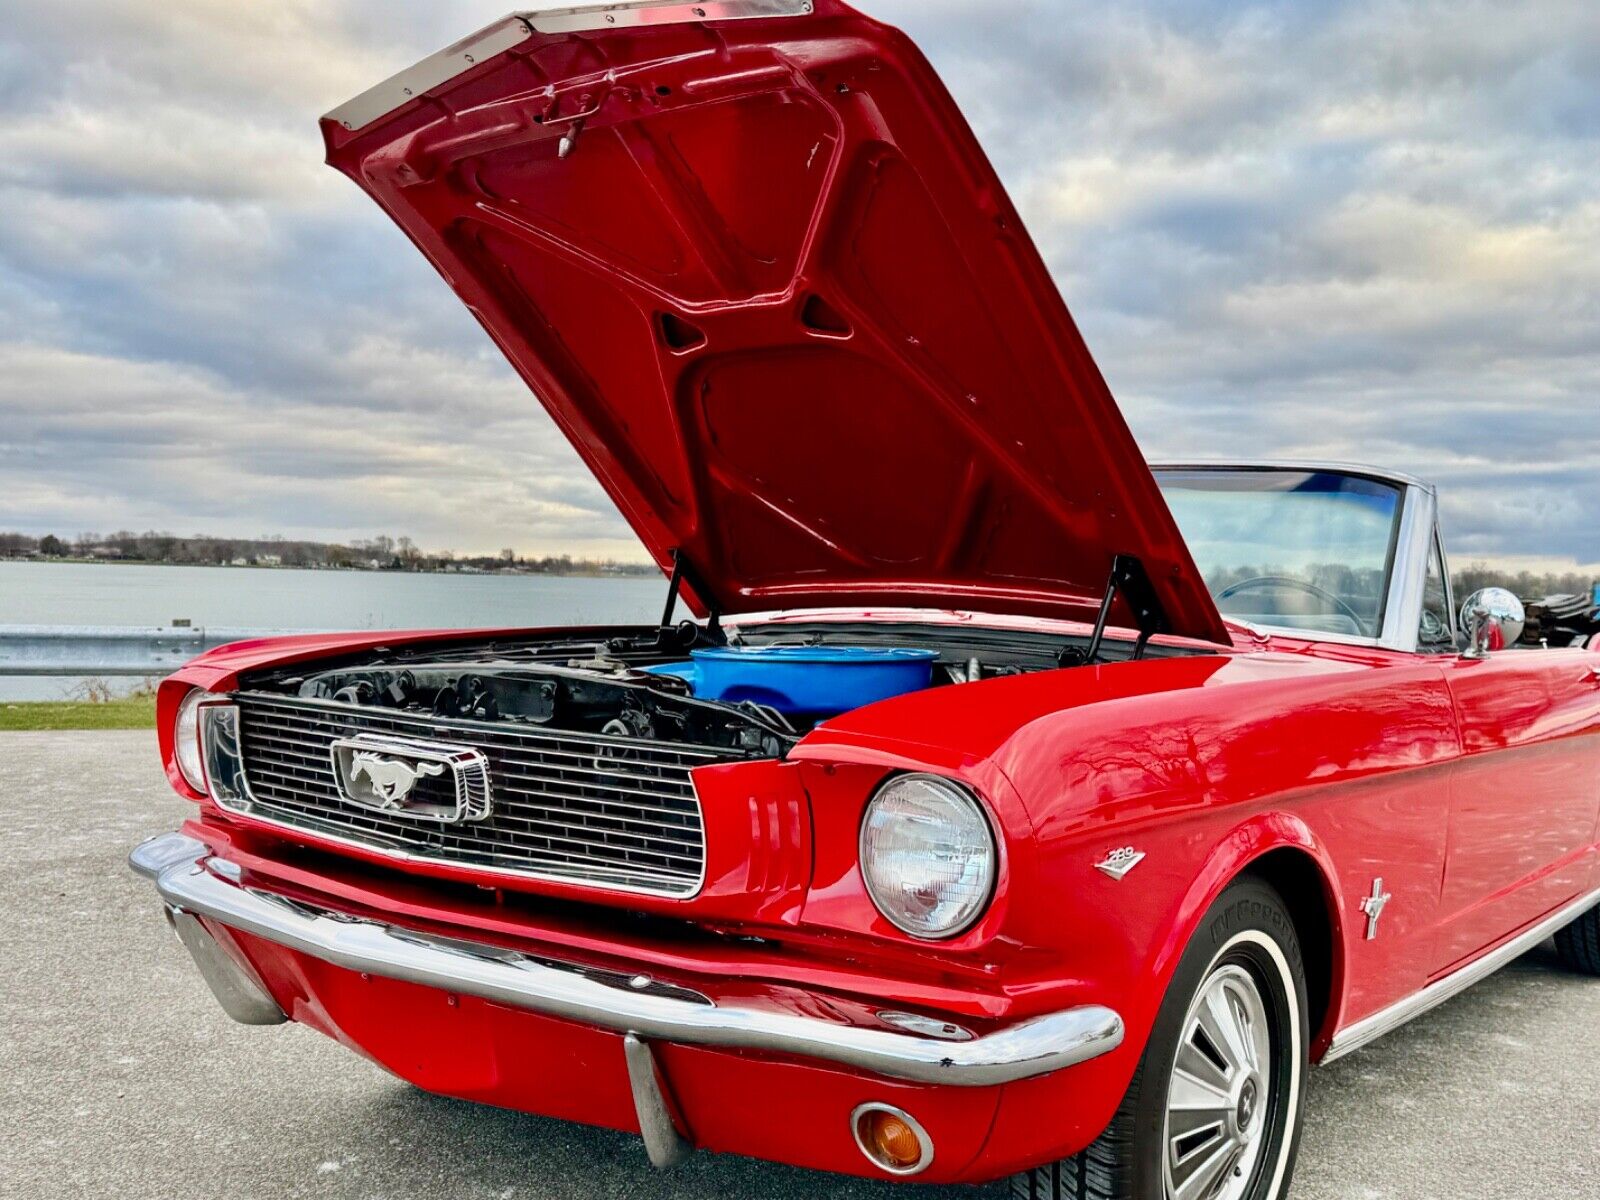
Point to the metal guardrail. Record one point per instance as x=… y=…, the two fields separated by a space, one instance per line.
x=109 y=650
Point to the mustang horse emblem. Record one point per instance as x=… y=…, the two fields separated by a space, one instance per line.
x=392 y=781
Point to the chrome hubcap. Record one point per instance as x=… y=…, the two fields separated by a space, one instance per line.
x=1215 y=1129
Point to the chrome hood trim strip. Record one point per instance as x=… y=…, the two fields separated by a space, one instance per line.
x=189 y=879
x=610 y=14
x=384 y=98
x=438 y=69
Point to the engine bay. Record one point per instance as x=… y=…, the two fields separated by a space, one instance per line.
x=753 y=694
x=600 y=695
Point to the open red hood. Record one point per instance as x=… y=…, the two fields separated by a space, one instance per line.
x=755 y=264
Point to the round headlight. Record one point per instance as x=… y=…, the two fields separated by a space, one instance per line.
x=927 y=855
x=186 y=739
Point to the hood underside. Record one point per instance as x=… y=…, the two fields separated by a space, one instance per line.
x=762 y=275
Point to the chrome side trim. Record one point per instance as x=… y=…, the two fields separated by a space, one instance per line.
x=188 y=878
x=1370 y=1029
x=242 y=996
x=662 y=1141
x=436 y=69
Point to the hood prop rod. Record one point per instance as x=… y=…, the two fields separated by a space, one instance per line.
x=683 y=572
x=1130 y=580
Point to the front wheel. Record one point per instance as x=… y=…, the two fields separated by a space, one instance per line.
x=1214 y=1110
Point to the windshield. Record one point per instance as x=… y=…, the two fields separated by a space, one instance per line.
x=1303 y=550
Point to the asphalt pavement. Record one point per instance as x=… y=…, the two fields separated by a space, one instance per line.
x=119 y=1076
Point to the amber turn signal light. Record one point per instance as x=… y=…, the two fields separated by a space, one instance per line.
x=892 y=1139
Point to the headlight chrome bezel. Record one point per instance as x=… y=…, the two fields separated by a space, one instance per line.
x=190 y=752
x=961 y=799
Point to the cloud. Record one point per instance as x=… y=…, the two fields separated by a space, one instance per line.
x=1363 y=230
x=153 y=445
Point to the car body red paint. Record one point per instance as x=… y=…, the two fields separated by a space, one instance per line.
x=1353 y=762
x=1466 y=786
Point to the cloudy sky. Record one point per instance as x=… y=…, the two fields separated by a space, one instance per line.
x=1363 y=230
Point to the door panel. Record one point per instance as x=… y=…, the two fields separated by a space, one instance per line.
x=1526 y=796
x=1390 y=829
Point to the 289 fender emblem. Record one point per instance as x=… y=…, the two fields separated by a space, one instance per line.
x=1119 y=862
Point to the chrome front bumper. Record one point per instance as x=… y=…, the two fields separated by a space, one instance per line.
x=194 y=884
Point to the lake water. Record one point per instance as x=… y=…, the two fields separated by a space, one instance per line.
x=242 y=597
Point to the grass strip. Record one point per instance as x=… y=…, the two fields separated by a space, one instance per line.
x=135 y=712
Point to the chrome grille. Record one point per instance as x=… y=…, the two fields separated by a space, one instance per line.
x=598 y=811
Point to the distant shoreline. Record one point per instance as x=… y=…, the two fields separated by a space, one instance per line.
x=631 y=571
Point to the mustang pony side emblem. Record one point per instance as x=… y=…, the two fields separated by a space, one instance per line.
x=391 y=779
x=385 y=774
x=1373 y=906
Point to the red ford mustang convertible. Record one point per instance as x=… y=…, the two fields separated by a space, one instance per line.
x=1008 y=807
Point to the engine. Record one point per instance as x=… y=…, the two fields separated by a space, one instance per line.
x=752 y=698
x=602 y=696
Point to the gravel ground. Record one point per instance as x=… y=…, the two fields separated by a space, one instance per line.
x=119 y=1077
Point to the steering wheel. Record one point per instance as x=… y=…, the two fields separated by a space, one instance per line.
x=1304 y=585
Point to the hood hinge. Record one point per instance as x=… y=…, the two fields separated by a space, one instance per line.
x=683 y=572
x=1130 y=580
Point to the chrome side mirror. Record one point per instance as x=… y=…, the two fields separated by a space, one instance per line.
x=1494 y=619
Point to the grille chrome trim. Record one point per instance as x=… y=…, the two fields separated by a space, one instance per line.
x=560 y=816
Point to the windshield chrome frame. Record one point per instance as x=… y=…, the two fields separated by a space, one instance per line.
x=1408 y=572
